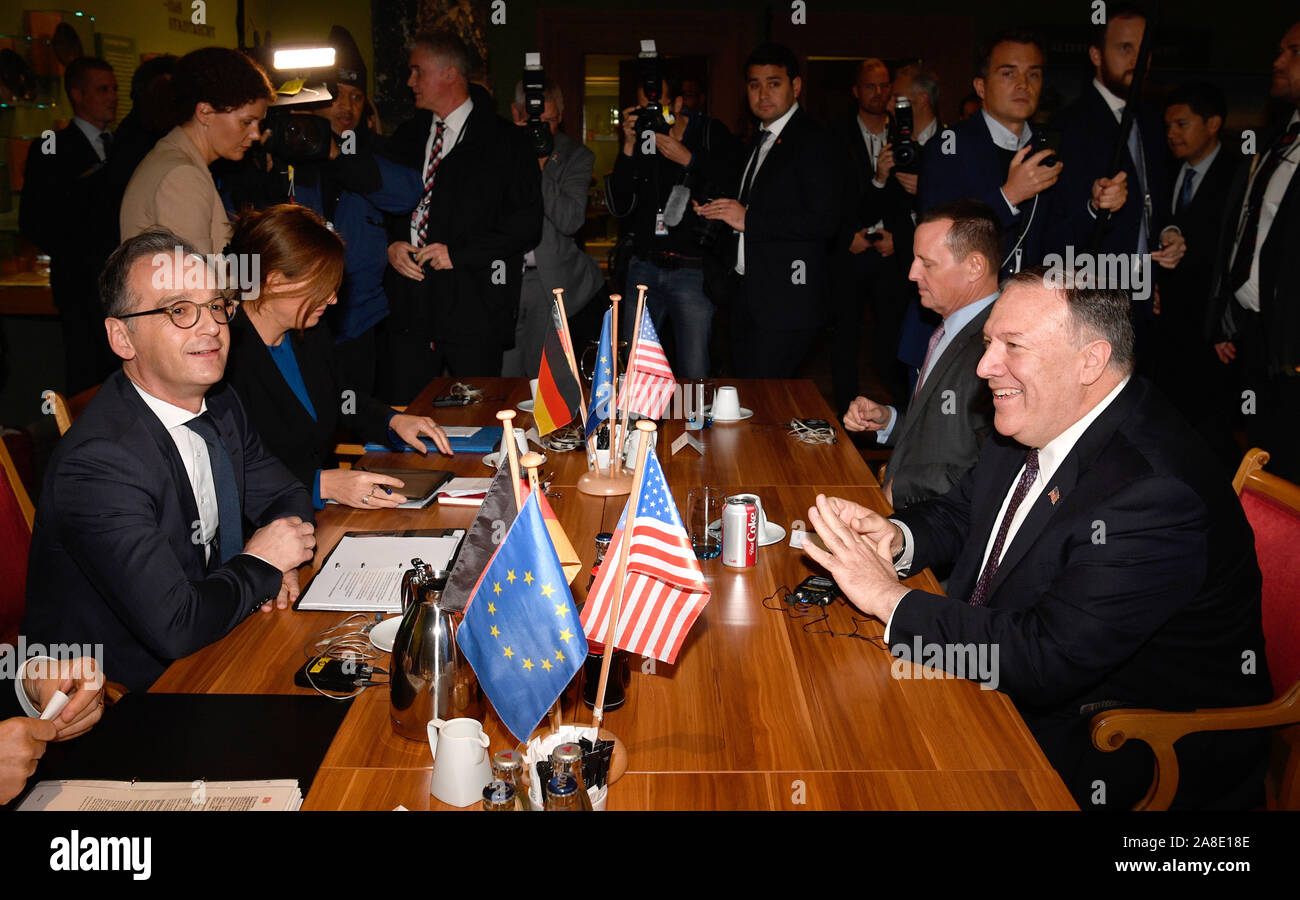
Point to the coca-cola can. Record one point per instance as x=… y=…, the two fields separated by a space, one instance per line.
x=739 y=533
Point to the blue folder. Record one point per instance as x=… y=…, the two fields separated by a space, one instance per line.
x=484 y=440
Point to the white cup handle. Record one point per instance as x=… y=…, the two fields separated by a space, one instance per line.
x=434 y=728
x=483 y=739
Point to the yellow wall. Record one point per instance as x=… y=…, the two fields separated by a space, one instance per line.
x=147 y=21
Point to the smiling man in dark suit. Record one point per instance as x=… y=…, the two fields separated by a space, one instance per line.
x=938 y=439
x=457 y=259
x=139 y=537
x=1100 y=560
x=786 y=212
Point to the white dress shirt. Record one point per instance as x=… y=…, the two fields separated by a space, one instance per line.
x=1007 y=139
x=93 y=135
x=1248 y=294
x=775 y=128
x=952 y=326
x=194 y=456
x=1200 y=169
x=1050 y=457
x=452 y=130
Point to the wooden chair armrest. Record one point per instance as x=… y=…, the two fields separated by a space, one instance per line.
x=349 y=450
x=1160 y=730
x=114 y=692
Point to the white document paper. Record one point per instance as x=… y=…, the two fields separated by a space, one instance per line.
x=164 y=796
x=461 y=431
x=364 y=572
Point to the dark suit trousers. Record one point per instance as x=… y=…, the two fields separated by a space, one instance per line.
x=1271 y=425
x=862 y=278
x=759 y=350
x=409 y=361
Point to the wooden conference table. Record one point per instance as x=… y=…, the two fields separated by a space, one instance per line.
x=761 y=711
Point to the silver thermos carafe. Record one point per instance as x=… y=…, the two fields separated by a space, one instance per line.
x=430 y=676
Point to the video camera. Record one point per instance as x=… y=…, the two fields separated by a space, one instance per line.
x=907 y=152
x=297 y=135
x=539 y=133
x=652 y=117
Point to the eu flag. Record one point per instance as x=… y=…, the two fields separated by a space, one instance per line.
x=521 y=631
x=602 y=386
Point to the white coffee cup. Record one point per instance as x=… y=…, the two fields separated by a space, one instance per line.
x=630 y=444
x=726 y=404
x=461 y=768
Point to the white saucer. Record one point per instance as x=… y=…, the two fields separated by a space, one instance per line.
x=524 y=406
x=383 y=634
x=744 y=414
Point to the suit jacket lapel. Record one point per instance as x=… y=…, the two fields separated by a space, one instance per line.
x=951 y=354
x=778 y=151
x=223 y=414
x=180 y=479
x=990 y=493
x=1065 y=478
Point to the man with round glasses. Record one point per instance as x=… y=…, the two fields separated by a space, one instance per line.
x=139 y=542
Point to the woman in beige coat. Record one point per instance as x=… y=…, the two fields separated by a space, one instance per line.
x=221 y=98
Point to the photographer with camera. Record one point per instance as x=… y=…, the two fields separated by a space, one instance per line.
x=873 y=248
x=668 y=161
x=322 y=154
x=558 y=261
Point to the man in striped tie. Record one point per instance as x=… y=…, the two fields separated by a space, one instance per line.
x=1098 y=554
x=957 y=249
x=456 y=261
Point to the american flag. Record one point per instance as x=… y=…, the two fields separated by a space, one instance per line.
x=665 y=589
x=650 y=381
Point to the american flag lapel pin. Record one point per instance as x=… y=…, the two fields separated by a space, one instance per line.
x=1054 y=494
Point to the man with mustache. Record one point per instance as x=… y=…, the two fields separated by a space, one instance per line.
x=139 y=537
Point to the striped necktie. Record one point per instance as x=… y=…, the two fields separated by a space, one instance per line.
x=420 y=218
x=980 y=596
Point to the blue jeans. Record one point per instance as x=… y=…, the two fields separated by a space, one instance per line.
x=676 y=294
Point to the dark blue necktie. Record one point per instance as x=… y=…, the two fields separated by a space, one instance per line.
x=1185 y=194
x=230 y=530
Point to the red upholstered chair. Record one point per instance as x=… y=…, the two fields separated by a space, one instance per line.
x=1272 y=506
x=16 y=516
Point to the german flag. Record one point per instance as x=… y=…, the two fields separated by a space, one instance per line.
x=559 y=397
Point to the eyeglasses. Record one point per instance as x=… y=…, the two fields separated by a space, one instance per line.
x=185 y=313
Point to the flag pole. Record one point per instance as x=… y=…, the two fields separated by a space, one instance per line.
x=508 y=445
x=614 y=300
x=532 y=461
x=573 y=367
x=647 y=428
x=613 y=481
x=627 y=382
